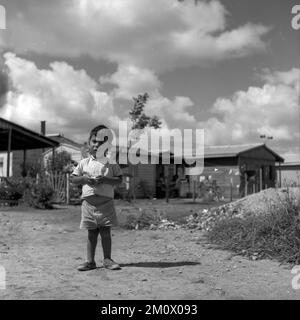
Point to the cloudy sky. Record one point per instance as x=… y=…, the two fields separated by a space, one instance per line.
x=230 y=67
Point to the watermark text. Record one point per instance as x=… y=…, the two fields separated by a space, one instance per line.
x=2 y=18
x=296 y=17
x=2 y=278
x=153 y=146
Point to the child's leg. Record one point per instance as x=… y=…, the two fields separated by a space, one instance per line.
x=106 y=241
x=92 y=244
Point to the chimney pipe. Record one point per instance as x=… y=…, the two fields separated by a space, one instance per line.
x=43 y=128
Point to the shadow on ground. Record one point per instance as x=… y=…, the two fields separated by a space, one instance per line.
x=160 y=264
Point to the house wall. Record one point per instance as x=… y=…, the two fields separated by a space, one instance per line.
x=35 y=155
x=226 y=178
x=73 y=151
x=3 y=164
x=258 y=153
x=219 y=174
x=145 y=173
x=256 y=160
x=212 y=162
x=32 y=156
x=225 y=174
x=288 y=175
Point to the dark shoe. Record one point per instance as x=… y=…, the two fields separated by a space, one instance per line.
x=110 y=264
x=87 y=266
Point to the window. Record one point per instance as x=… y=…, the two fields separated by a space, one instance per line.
x=271 y=172
x=267 y=172
x=1 y=167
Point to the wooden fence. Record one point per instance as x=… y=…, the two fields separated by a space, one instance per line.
x=60 y=182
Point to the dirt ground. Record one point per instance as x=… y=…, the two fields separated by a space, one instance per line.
x=40 y=250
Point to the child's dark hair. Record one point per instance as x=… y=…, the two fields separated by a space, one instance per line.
x=95 y=130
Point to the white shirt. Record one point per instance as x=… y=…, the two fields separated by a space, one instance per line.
x=92 y=168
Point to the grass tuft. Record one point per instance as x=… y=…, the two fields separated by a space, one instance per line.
x=273 y=234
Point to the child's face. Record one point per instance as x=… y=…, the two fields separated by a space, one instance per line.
x=94 y=145
x=95 y=142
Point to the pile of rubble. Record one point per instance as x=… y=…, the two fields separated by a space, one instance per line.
x=164 y=224
x=150 y=219
x=207 y=218
x=266 y=201
x=255 y=204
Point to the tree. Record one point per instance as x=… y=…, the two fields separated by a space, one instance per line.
x=140 y=120
x=60 y=161
x=31 y=168
x=138 y=117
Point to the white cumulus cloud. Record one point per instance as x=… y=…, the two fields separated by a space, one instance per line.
x=69 y=100
x=272 y=109
x=72 y=102
x=157 y=35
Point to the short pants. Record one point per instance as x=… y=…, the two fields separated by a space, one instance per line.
x=98 y=212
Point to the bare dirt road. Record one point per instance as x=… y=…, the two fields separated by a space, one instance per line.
x=40 y=251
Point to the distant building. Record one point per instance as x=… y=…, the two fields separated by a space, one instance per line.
x=28 y=147
x=65 y=144
x=18 y=146
x=234 y=170
x=241 y=169
x=288 y=173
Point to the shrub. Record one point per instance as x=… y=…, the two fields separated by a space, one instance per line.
x=28 y=191
x=11 y=190
x=31 y=168
x=60 y=162
x=142 y=220
x=147 y=191
x=38 y=195
x=75 y=191
x=120 y=191
x=272 y=234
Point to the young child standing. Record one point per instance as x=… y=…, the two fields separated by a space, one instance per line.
x=98 y=178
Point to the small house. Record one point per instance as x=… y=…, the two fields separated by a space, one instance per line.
x=230 y=172
x=288 y=173
x=67 y=145
x=19 y=146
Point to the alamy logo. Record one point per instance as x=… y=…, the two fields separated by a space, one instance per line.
x=152 y=146
x=2 y=278
x=296 y=19
x=296 y=278
x=2 y=18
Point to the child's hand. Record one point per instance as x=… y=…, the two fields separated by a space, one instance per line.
x=99 y=179
x=89 y=181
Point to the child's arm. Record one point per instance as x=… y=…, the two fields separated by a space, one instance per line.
x=113 y=181
x=79 y=177
x=82 y=180
x=116 y=178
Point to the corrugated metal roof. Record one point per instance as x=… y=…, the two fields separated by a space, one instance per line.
x=291 y=159
x=22 y=138
x=236 y=150
x=61 y=139
x=229 y=150
x=226 y=151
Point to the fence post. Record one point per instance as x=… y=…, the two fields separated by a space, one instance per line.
x=2 y=278
x=194 y=190
x=167 y=187
x=260 y=180
x=133 y=183
x=68 y=188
